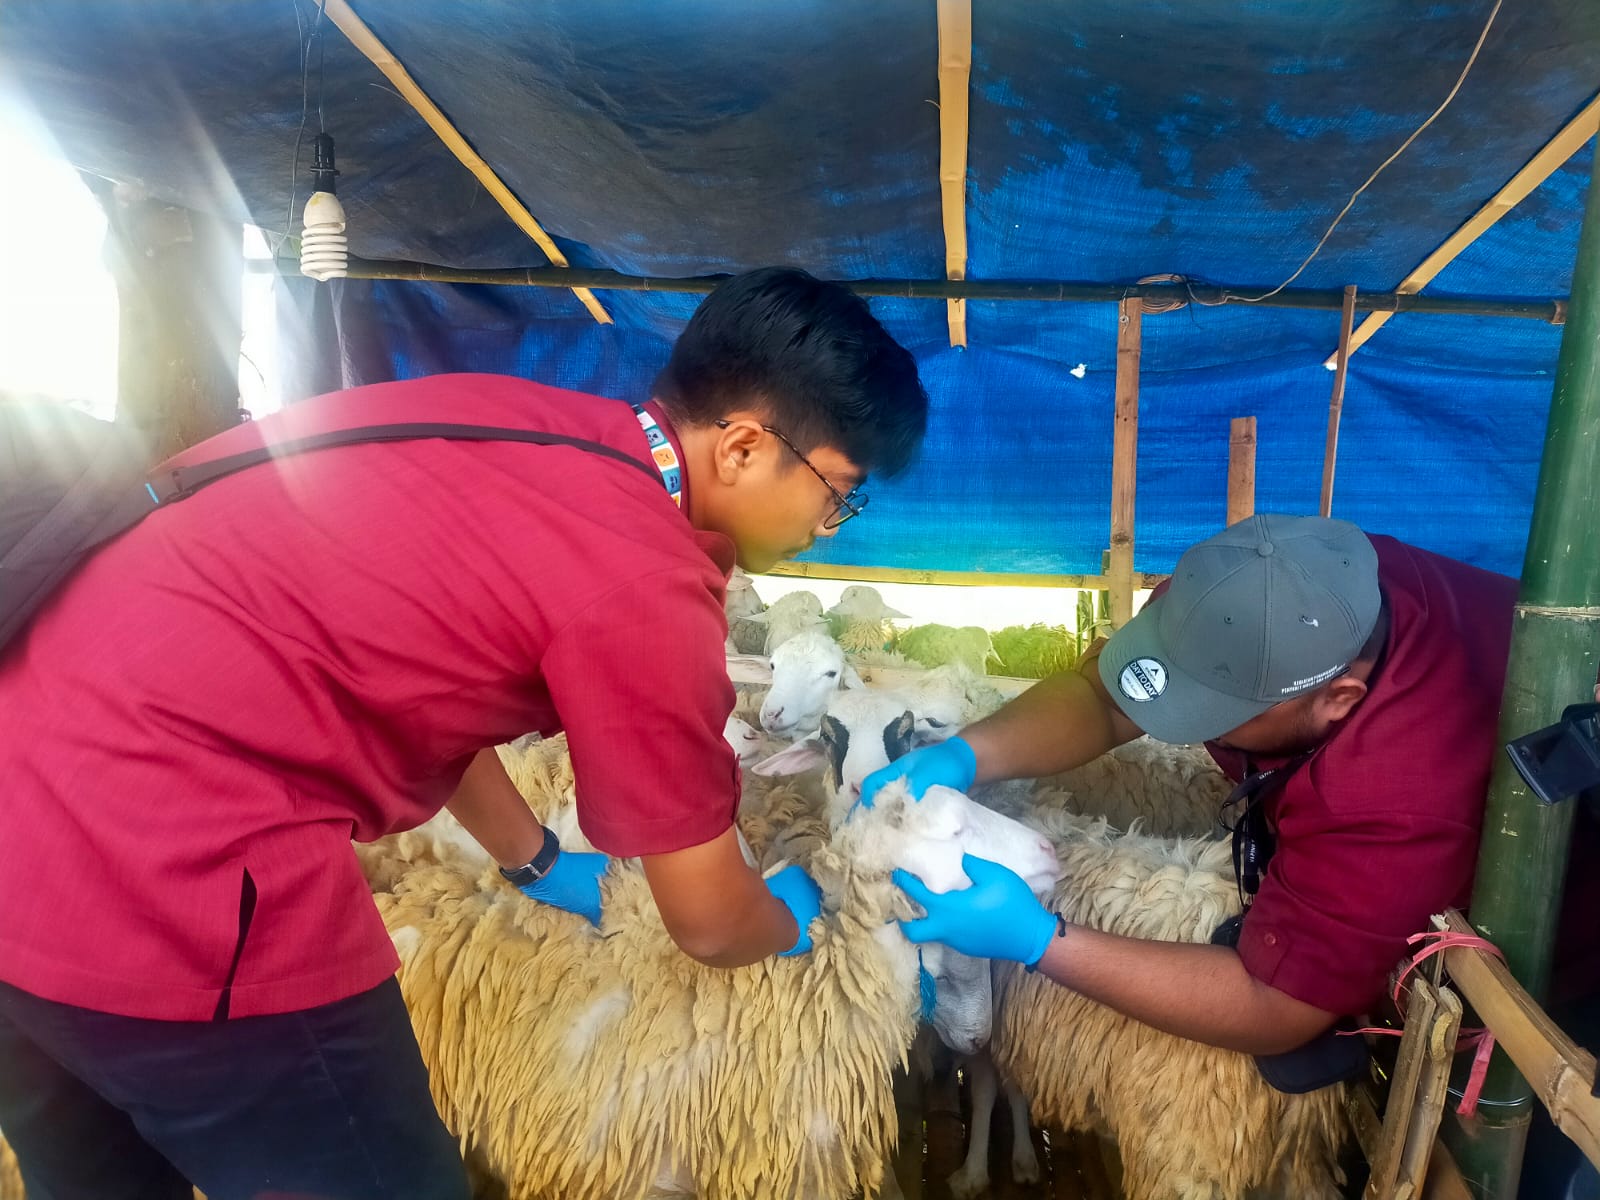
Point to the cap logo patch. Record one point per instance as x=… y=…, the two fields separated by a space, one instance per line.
x=1311 y=621
x=1143 y=679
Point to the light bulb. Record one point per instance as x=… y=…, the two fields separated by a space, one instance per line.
x=324 y=252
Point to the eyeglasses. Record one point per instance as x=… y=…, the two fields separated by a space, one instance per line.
x=845 y=504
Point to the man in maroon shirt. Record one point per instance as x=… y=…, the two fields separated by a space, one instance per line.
x=195 y=986
x=1351 y=684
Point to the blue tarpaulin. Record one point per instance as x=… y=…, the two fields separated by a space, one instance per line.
x=1210 y=138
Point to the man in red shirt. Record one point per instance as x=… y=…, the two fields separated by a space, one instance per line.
x=1351 y=685
x=195 y=986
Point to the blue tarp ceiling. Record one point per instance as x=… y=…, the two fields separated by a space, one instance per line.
x=1108 y=141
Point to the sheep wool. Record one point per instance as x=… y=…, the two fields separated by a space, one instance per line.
x=1191 y=1121
x=1034 y=651
x=938 y=645
x=10 y=1174
x=583 y=1064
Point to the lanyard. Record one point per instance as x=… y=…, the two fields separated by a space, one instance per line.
x=662 y=454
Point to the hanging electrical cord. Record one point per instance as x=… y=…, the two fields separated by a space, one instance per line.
x=304 y=42
x=1317 y=249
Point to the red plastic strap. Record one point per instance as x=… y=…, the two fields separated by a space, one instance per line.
x=1439 y=940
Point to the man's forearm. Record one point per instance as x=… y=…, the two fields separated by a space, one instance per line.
x=491 y=809
x=1059 y=723
x=1194 y=991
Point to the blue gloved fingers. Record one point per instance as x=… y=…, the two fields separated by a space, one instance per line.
x=911 y=886
x=950 y=763
x=572 y=884
x=921 y=930
x=797 y=892
x=872 y=784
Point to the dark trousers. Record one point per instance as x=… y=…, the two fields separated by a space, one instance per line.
x=327 y=1104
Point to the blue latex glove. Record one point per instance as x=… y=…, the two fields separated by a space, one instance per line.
x=950 y=763
x=803 y=898
x=573 y=884
x=997 y=917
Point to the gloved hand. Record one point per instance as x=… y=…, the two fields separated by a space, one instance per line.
x=803 y=898
x=573 y=884
x=997 y=917
x=950 y=763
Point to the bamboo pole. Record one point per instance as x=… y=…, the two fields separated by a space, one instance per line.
x=1330 y=453
x=955 y=74
x=1572 y=138
x=854 y=574
x=364 y=40
x=1560 y=1070
x=1555 y=647
x=1125 y=460
x=1550 y=311
x=1241 y=469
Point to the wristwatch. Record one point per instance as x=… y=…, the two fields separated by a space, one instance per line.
x=539 y=866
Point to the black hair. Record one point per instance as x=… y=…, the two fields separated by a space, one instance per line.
x=808 y=354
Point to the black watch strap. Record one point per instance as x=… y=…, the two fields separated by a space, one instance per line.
x=539 y=866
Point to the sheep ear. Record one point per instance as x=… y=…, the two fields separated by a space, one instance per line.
x=850 y=679
x=760 y=618
x=749 y=668
x=894 y=612
x=805 y=755
x=930 y=733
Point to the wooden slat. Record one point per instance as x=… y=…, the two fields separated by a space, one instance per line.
x=1330 y=454
x=364 y=40
x=955 y=74
x=1444 y=1181
x=1433 y=1089
x=1540 y=167
x=854 y=574
x=1124 y=460
x=1401 y=1107
x=1241 y=469
x=1417 y=1092
x=1559 y=1071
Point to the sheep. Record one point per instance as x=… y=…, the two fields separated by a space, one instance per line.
x=861 y=732
x=938 y=645
x=740 y=603
x=860 y=621
x=807 y=671
x=588 y=1065
x=1191 y=1120
x=788 y=616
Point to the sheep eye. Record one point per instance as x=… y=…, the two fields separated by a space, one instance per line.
x=932 y=724
x=831 y=675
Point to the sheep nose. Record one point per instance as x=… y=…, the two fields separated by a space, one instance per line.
x=775 y=714
x=855 y=788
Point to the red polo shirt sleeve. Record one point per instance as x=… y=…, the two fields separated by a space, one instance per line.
x=640 y=680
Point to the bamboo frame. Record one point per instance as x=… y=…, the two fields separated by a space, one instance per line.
x=364 y=40
x=955 y=74
x=1417 y=1092
x=1552 y=312
x=1330 y=453
x=1559 y=1071
x=853 y=574
x=1125 y=460
x=1241 y=469
x=1540 y=167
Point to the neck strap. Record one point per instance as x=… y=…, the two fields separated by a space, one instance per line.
x=662 y=454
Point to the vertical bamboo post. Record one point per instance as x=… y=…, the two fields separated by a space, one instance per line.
x=1341 y=362
x=1241 y=469
x=179 y=294
x=1124 y=460
x=1555 y=646
x=955 y=73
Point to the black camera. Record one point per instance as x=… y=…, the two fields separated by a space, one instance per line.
x=1562 y=760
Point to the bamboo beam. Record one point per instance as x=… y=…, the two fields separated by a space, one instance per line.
x=1540 y=167
x=1559 y=1071
x=1125 y=460
x=854 y=574
x=1330 y=453
x=1550 y=311
x=1241 y=469
x=955 y=74
x=364 y=40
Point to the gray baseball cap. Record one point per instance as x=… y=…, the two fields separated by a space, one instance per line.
x=1268 y=609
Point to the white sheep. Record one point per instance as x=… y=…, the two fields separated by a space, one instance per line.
x=860 y=621
x=1190 y=1120
x=741 y=602
x=787 y=617
x=585 y=1066
x=808 y=670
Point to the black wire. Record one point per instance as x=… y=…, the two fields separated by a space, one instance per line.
x=322 y=55
x=303 y=42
